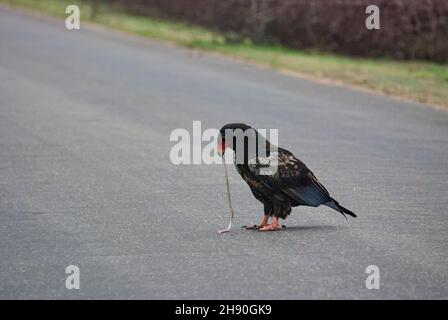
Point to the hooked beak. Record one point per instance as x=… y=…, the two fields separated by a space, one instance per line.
x=221 y=148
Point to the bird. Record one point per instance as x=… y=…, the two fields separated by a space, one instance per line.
x=289 y=184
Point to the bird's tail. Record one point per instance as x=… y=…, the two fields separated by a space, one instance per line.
x=336 y=206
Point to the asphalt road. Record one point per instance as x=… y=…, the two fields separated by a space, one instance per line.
x=86 y=178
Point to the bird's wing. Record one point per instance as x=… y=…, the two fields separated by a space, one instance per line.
x=291 y=177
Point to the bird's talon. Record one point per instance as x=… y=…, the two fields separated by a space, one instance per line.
x=271 y=227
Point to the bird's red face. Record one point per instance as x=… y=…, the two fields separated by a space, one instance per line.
x=227 y=136
x=222 y=146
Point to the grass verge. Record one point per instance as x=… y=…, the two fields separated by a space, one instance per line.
x=419 y=81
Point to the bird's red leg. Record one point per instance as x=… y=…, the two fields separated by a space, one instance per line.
x=263 y=223
x=275 y=225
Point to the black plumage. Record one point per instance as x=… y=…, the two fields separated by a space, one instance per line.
x=292 y=184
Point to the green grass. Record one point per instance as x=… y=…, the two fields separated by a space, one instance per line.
x=414 y=80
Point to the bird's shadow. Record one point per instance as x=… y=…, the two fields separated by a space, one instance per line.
x=312 y=228
x=302 y=229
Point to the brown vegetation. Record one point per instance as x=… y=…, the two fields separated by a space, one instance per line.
x=410 y=29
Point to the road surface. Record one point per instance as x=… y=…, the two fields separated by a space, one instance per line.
x=86 y=178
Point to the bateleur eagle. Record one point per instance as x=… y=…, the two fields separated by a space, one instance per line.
x=289 y=184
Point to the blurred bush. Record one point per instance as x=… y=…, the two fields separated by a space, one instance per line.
x=410 y=29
